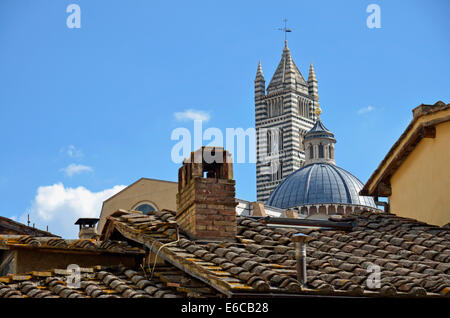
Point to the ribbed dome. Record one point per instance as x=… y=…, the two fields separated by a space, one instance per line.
x=319 y=183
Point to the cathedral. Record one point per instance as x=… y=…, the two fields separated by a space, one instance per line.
x=296 y=166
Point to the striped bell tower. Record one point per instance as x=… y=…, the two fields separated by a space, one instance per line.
x=284 y=113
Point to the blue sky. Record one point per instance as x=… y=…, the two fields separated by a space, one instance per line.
x=85 y=110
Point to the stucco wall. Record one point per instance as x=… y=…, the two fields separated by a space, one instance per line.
x=421 y=186
x=161 y=194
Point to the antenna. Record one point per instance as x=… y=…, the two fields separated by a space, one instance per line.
x=285 y=29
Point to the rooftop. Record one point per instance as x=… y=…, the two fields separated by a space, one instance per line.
x=414 y=259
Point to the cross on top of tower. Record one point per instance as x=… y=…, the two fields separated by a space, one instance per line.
x=285 y=30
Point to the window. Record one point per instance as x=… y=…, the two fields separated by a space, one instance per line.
x=303 y=107
x=280 y=171
x=274 y=107
x=300 y=139
x=269 y=142
x=145 y=208
x=280 y=143
x=276 y=170
x=311 y=152
x=320 y=151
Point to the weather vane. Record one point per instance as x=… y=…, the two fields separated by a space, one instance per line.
x=285 y=29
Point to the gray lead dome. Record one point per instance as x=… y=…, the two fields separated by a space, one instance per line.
x=319 y=183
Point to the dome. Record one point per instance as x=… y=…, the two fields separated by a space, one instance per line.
x=319 y=183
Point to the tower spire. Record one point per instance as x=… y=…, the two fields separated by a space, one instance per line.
x=312 y=83
x=287 y=73
x=260 y=84
x=259 y=72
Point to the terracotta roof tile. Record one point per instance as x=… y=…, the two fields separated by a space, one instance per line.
x=109 y=282
x=413 y=258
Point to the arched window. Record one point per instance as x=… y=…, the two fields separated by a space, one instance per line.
x=320 y=151
x=311 y=152
x=280 y=139
x=300 y=140
x=145 y=208
x=280 y=171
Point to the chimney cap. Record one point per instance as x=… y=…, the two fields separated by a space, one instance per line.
x=86 y=221
x=300 y=237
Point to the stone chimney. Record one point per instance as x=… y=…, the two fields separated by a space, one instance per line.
x=206 y=195
x=87 y=228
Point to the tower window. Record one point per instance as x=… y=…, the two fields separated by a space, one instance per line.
x=300 y=140
x=311 y=152
x=280 y=143
x=280 y=171
x=321 y=151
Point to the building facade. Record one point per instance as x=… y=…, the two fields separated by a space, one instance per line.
x=415 y=173
x=284 y=113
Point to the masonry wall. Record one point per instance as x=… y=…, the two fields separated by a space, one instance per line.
x=206 y=208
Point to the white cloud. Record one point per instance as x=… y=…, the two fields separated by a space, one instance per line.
x=59 y=207
x=72 y=151
x=73 y=169
x=364 y=110
x=192 y=114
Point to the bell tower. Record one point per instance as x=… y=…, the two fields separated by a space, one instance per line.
x=284 y=113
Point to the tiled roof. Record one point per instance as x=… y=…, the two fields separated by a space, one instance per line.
x=414 y=257
x=11 y=227
x=45 y=243
x=105 y=282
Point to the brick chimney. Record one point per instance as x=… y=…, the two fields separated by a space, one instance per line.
x=206 y=195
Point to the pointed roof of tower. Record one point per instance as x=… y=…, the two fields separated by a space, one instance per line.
x=312 y=74
x=287 y=71
x=259 y=72
x=319 y=131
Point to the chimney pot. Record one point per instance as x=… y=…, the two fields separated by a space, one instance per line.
x=87 y=228
x=300 y=241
